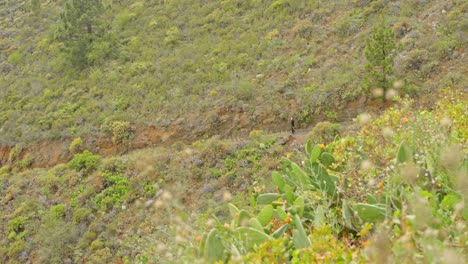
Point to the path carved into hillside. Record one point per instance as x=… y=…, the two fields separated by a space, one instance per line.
x=48 y=153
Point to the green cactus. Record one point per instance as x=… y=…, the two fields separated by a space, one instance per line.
x=267 y=198
x=289 y=194
x=326 y=158
x=251 y=237
x=319 y=216
x=238 y=220
x=404 y=153
x=265 y=215
x=299 y=205
x=202 y=244
x=214 y=248
x=278 y=180
x=348 y=216
x=315 y=154
x=326 y=181
x=300 y=238
x=280 y=231
x=280 y=214
x=308 y=147
x=233 y=210
x=301 y=177
x=370 y=212
x=371 y=199
x=255 y=224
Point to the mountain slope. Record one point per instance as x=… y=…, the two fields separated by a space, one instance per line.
x=182 y=64
x=205 y=90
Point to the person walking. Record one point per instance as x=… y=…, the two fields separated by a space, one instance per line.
x=293 y=128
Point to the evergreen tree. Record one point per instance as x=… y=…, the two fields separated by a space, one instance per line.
x=79 y=28
x=380 y=53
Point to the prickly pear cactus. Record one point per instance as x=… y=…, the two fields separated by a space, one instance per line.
x=371 y=212
x=278 y=180
x=326 y=158
x=315 y=154
x=214 y=248
x=251 y=237
x=267 y=198
x=265 y=215
x=300 y=238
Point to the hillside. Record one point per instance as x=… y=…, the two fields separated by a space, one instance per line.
x=157 y=131
x=212 y=67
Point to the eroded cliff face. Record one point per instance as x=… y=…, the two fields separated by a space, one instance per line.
x=225 y=123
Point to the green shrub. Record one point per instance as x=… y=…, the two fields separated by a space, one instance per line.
x=25 y=162
x=96 y=245
x=17 y=224
x=85 y=161
x=14 y=153
x=56 y=238
x=76 y=146
x=35 y=6
x=5 y=170
x=101 y=50
x=172 y=36
x=121 y=103
x=58 y=211
x=16 y=248
x=324 y=132
x=332 y=115
x=121 y=132
x=244 y=90
x=117 y=187
x=15 y=57
x=255 y=134
x=123 y=18
x=81 y=214
x=113 y=165
x=86 y=240
x=50 y=182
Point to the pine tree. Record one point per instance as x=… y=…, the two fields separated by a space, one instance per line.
x=79 y=28
x=380 y=53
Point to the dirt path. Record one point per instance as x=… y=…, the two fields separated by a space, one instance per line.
x=48 y=153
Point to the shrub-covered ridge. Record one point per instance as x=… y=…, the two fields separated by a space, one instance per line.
x=167 y=63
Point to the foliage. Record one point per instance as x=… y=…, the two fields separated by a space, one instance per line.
x=17 y=224
x=121 y=132
x=116 y=187
x=193 y=69
x=290 y=211
x=56 y=238
x=76 y=146
x=81 y=214
x=324 y=132
x=79 y=29
x=14 y=153
x=281 y=223
x=85 y=161
x=35 y=5
x=134 y=68
x=58 y=211
x=398 y=176
x=380 y=53
x=15 y=57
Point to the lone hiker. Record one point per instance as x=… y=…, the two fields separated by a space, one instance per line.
x=293 y=129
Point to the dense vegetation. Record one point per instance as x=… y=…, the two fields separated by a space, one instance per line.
x=394 y=189
x=163 y=63
x=384 y=186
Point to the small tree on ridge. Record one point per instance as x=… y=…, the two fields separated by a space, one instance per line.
x=380 y=53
